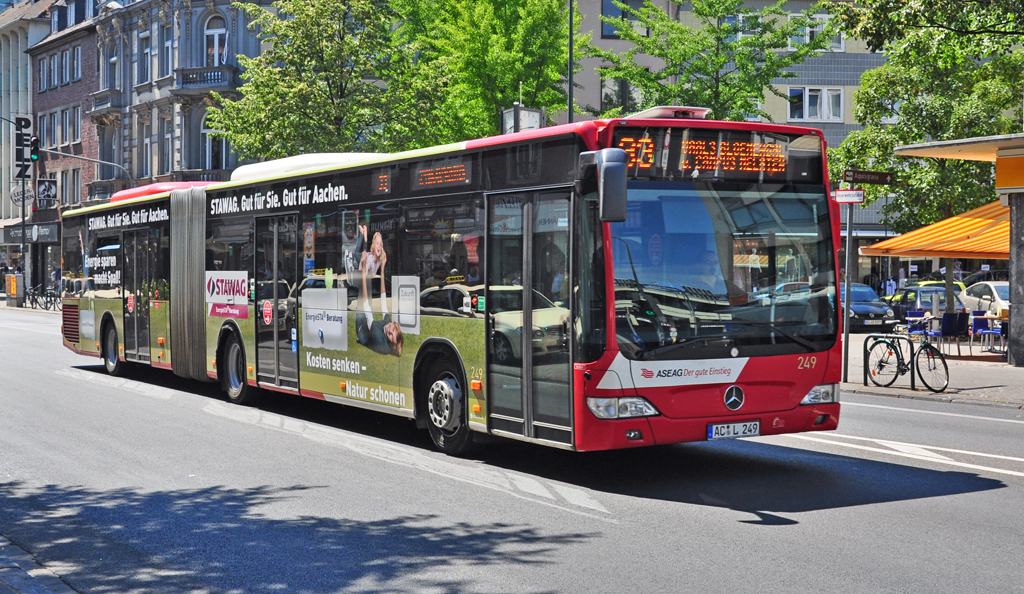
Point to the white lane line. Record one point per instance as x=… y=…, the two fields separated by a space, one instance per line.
x=937 y=448
x=909 y=449
x=158 y=392
x=932 y=412
x=516 y=485
x=30 y=328
x=905 y=455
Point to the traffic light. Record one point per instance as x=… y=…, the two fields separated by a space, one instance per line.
x=34 y=148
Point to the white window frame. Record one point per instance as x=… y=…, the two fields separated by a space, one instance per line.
x=76 y=123
x=166 y=57
x=63 y=187
x=220 y=40
x=54 y=123
x=166 y=145
x=208 y=144
x=76 y=185
x=44 y=120
x=65 y=66
x=44 y=73
x=76 y=62
x=825 y=111
x=754 y=117
x=53 y=70
x=65 y=126
x=145 y=64
x=823 y=19
x=146 y=152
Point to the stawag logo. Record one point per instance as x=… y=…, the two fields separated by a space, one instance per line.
x=224 y=287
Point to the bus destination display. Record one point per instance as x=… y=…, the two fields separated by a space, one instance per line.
x=698 y=154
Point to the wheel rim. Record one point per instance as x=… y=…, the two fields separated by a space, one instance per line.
x=443 y=403
x=932 y=370
x=502 y=349
x=111 y=347
x=235 y=366
x=882 y=364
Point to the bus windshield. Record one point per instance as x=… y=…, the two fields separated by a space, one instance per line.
x=708 y=270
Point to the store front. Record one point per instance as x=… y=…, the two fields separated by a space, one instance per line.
x=42 y=246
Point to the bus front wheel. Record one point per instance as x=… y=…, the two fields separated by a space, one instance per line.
x=233 y=377
x=445 y=402
x=114 y=365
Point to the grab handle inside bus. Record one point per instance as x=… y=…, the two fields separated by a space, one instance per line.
x=610 y=165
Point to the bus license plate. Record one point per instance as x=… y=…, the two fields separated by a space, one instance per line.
x=734 y=430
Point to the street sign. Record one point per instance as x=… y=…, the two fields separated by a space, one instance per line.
x=849 y=196
x=856 y=176
x=46 y=189
x=18 y=197
x=22 y=144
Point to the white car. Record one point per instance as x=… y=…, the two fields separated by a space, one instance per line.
x=549 y=324
x=991 y=296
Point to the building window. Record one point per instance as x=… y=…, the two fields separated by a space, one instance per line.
x=166 y=145
x=53 y=71
x=807 y=34
x=65 y=66
x=145 y=148
x=167 y=35
x=65 y=188
x=619 y=93
x=145 y=58
x=76 y=62
x=754 y=117
x=76 y=186
x=54 y=122
x=110 y=75
x=816 y=103
x=43 y=128
x=216 y=42
x=76 y=123
x=65 y=126
x=43 y=74
x=215 y=150
x=609 y=9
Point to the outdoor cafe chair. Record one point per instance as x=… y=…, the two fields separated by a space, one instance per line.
x=947 y=330
x=980 y=328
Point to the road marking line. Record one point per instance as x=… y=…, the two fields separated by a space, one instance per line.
x=932 y=412
x=579 y=497
x=909 y=449
x=905 y=455
x=917 y=445
x=527 y=484
x=158 y=392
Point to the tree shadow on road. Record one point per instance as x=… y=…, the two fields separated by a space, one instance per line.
x=217 y=540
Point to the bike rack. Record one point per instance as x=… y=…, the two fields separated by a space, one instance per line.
x=896 y=337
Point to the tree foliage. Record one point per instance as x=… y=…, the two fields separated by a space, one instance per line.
x=981 y=27
x=489 y=54
x=727 y=63
x=927 y=93
x=331 y=78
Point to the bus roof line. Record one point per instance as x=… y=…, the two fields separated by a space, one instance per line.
x=109 y=205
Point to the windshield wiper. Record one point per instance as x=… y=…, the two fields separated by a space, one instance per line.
x=801 y=341
x=688 y=341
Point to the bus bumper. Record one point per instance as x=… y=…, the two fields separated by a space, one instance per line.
x=594 y=434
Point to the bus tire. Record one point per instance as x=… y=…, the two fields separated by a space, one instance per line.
x=114 y=365
x=445 y=406
x=233 y=378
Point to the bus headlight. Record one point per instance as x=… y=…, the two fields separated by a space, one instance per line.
x=621 y=408
x=823 y=394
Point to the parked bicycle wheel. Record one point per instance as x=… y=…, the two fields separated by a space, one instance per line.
x=931 y=368
x=883 y=363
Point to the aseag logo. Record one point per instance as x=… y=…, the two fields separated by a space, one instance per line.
x=647 y=373
x=225 y=287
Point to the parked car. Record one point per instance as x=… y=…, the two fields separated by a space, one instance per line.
x=987 y=275
x=990 y=296
x=549 y=324
x=867 y=311
x=958 y=287
x=907 y=299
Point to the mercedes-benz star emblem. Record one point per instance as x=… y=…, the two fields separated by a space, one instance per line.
x=733 y=398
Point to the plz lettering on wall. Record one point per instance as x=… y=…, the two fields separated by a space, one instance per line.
x=271 y=200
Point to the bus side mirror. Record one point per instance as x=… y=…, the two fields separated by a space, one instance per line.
x=610 y=166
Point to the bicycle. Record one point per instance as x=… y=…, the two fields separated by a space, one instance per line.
x=886 y=363
x=53 y=300
x=35 y=298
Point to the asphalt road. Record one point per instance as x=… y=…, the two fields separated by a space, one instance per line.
x=156 y=484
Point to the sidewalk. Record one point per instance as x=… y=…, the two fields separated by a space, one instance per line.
x=982 y=380
x=20 y=574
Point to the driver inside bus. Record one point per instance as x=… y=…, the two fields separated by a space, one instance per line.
x=380 y=336
x=709 y=273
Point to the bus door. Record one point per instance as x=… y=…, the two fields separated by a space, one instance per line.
x=136 y=278
x=277 y=358
x=527 y=304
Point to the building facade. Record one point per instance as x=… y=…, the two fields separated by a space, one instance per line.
x=22 y=25
x=158 y=63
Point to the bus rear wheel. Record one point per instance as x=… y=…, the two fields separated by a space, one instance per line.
x=446 y=407
x=114 y=365
x=233 y=377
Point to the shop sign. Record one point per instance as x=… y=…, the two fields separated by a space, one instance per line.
x=46 y=233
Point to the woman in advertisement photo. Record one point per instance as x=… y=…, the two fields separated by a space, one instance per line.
x=380 y=336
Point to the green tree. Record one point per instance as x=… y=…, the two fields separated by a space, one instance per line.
x=985 y=25
x=331 y=78
x=725 y=60
x=488 y=54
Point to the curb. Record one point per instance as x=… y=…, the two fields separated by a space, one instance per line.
x=953 y=398
x=21 y=574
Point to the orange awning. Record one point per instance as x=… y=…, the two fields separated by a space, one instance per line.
x=980 y=233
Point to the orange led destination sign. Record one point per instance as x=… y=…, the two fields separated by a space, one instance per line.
x=694 y=154
x=444 y=174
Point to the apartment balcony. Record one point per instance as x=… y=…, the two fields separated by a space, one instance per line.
x=200 y=81
x=105 y=102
